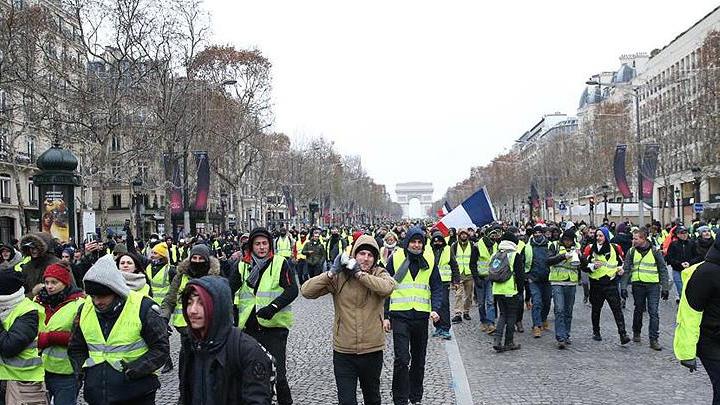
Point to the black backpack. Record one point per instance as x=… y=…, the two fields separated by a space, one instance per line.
x=500 y=270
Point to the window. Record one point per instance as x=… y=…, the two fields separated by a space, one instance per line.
x=5 y=188
x=142 y=170
x=30 y=145
x=116 y=201
x=115 y=144
x=3 y=101
x=32 y=192
x=3 y=140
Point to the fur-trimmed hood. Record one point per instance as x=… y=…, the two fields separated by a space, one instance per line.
x=184 y=267
x=43 y=240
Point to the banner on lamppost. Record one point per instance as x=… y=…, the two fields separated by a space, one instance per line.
x=203 y=180
x=173 y=169
x=534 y=196
x=55 y=218
x=619 y=170
x=648 y=169
x=289 y=201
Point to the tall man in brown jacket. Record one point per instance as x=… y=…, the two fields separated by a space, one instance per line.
x=359 y=290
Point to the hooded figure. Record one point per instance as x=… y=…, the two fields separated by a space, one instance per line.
x=224 y=365
x=40 y=247
x=14 y=257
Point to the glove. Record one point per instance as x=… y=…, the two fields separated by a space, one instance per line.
x=131 y=373
x=43 y=340
x=665 y=295
x=690 y=364
x=350 y=264
x=344 y=259
x=266 y=312
x=623 y=294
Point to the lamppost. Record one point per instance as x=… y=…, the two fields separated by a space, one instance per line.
x=223 y=197
x=697 y=176
x=677 y=202
x=136 y=185
x=530 y=207
x=312 y=207
x=605 y=188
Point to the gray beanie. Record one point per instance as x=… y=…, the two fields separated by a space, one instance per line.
x=106 y=273
x=200 y=250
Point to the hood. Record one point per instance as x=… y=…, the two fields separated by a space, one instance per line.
x=369 y=241
x=621 y=228
x=221 y=319
x=184 y=266
x=542 y=241
x=413 y=232
x=605 y=232
x=17 y=258
x=507 y=245
x=42 y=240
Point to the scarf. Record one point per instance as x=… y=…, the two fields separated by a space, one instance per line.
x=254 y=276
x=53 y=300
x=9 y=302
x=134 y=281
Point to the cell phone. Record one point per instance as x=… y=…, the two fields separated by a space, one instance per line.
x=90 y=237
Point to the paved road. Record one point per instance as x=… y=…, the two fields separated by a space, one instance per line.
x=587 y=373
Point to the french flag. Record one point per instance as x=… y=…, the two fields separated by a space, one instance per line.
x=444 y=210
x=475 y=212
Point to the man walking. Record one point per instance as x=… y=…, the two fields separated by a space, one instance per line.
x=564 y=262
x=466 y=257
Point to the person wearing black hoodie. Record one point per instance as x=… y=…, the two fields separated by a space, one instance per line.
x=407 y=312
x=698 y=318
x=265 y=288
x=224 y=365
x=681 y=254
x=536 y=255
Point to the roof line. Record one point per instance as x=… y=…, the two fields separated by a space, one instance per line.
x=686 y=31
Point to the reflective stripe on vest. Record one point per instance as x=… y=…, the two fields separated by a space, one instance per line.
x=160 y=282
x=178 y=319
x=644 y=270
x=444 y=265
x=55 y=358
x=484 y=258
x=563 y=271
x=284 y=248
x=462 y=257
x=18 y=267
x=26 y=366
x=507 y=288
x=268 y=289
x=124 y=343
x=609 y=267
x=412 y=293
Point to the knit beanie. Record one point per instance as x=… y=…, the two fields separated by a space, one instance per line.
x=201 y=250
x=606 y=233
x=260 y=232
x=120 y=248
x=11 y=281
x=104 y=277
x=59 y=272
x=161 y=249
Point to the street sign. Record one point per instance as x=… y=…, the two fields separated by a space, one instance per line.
x=562 y=207
x=699 y=207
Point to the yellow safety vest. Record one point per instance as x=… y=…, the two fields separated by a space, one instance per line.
x=609 y=267
x=25 y=259
x=268 y=289
x=178 y=320
x=284 y=248
x=687 y=330
x=55 y=358
x=484 y=256
x=563 y=271
x=160 y=282
x=28 y=365
x=507 y=288
x=644 y=271
x=444 y=265
x=299 y=247
x=462 y=257
x=412 y=293
x=124 y=343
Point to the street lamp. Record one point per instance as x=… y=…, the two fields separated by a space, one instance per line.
x=605 y=188
x=677 y=202
x=697 y=176
x=641 y=204
x=136 y=185
x=223 y=197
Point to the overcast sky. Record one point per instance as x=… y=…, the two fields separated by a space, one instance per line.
x=425 y=90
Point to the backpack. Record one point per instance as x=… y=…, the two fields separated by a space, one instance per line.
x=500 y=270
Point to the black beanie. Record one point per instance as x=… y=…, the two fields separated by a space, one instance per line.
x=11 y=281
x=510 y=237
x=93 y=288
x=260 y=232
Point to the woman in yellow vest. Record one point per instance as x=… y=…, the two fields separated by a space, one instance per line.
x=507 y=293
x=21 y=368
x=131 y=268
x=60 y=300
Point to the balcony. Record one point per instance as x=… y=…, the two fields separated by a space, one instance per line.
x=20 y=158
x=5 y=200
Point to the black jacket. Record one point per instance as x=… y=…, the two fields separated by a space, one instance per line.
x=104 y=384
x=22 y=332
x=682 y=251
x=227 y=366
x=703 y=294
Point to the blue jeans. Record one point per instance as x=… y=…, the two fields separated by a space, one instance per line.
x=563 y=301
x=61 y=388
x=541 y=293
x=486 y=306
x=646 y=296
x=677 y=279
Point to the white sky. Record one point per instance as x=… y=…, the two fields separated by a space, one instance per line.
x=423 y=91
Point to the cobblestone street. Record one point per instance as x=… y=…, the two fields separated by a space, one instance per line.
x=588 y=372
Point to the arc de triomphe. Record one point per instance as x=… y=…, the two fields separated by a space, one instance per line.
x=406 y=192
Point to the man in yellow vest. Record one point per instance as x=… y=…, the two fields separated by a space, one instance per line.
x=118 y=341
x=283 y=244
x=466 y=257
x=21 y=368
x=417 y=297
x=486 y=247
x=698 y=318
x=448 y=274
x=565 y=261
x=264 y=287
x=172 y=251
x=645 y=268
x=299 y=258
x=507 y=292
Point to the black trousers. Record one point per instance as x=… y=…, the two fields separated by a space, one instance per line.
x=275 y=341
x=349 y=368
x=599 y=293
x=712 y=367
x=148 y=399
x=507 y=317
x=444 y=322
x=410 y=346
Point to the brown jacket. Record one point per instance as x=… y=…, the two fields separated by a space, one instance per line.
x=359 y=305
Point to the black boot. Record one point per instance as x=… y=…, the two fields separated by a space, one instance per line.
x=168 y=367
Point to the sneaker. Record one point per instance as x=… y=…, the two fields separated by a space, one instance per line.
x=512 y=346
x=457 y=319
x=568 y=341
x=560 y=345
x=519 y=327
x=491 y=329
x=636 y=337
x=483 y=328
x=596 y=337
x=445 y=335
x=655 y=345
x=537 y=331
x=546 y=325
x=466 y=317
x=624 y=339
